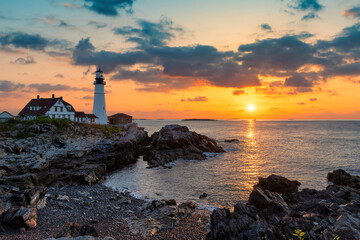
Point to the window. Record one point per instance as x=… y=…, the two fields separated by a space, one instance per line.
x=61 y=109
x=55 y=109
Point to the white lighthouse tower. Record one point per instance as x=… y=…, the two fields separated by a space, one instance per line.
x=99 y=108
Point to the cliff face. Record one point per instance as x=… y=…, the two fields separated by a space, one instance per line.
x=37 y=155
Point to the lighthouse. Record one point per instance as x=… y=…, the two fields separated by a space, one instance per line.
x=99 y=108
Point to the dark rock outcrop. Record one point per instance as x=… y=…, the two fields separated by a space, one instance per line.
x=277 y=211
x=287 y=188
x=19 y=217
x=340 y=177
x=231 y=140
x=177 y=142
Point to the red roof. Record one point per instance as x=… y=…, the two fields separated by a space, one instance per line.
x=91 y=116
x=45 y=104
x=120 y=115
x=80 y=115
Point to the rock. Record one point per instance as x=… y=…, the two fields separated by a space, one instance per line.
x=265 y=199
x=75 y=230
x=340 y=177
x=174 y=142
x=325 y=214
x=231 y=140
x=63 y=198
x=159 y=214
x=29 y=197
x=202 y=196
x=287 y=188
x=20 y=217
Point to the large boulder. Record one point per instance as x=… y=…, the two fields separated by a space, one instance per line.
x=340 y=177
x=287 y=188
x=177 y=142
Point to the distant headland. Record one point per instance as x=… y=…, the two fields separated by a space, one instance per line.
x=198 y=119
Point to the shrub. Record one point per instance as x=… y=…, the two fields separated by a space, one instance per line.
x=23 y=135
x=110 y=130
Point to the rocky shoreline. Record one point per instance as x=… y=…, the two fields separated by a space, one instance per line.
x=45 y=166
x=50 y=188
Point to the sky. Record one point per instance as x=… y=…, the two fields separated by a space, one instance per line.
x=166 y=59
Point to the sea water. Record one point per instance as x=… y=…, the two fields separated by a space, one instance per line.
x=299 y=150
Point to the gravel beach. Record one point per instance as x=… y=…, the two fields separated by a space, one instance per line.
x=101 y=210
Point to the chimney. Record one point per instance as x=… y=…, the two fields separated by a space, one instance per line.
x=38 y=96
x=61 y=98
x=53 y=96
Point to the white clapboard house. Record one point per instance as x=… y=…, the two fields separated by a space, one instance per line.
x=52 y=107
x=5 y=116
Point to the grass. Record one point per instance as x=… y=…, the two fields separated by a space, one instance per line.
x=58 y=122
x=13 y=125
x=18 y=125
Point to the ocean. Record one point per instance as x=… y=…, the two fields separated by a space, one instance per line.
x=298 y=150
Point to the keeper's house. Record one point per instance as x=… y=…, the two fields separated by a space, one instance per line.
x=54 y=108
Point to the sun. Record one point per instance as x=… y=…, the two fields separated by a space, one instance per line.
x=251 y=107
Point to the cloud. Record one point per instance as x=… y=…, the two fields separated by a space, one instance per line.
x=196 y=99
x=87 y=97
x=85 y=54
x=97 y=24
x=109 y=7
x=33 y=42
x=306 y=5
x=23 y=40
x=238 y=92
x=287 y=53
x=298 y=80
x=149 y=33
x=352 y=12
x=301 y=103
x=24 y=61
x=156 y=66
x=59 y=75
x=154 y=80
x=313 y=99
x=347 y=41
x=8 y=86
x=309 y=16
x=52 y=20
x=70 y=5
x=46 y=87
x=266 y=27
